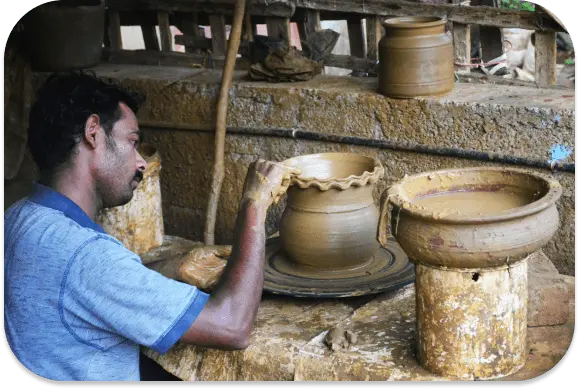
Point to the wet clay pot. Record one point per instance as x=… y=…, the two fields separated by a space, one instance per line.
x=469 y=233
x=330 y=220
x=416 y=58
x=139 y=223
x=65 y=35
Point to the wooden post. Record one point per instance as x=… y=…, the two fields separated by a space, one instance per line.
x=356 y=37
x=278 y=28
x=373 y=36
x=545 y=57
x=190 y=26
x=115 y=30
x=165 y=30
x=150 y=36
x=310 y=24
x=491 y=38
x=218 y=34
x=461 y=39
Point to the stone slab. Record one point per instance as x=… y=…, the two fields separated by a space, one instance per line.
x=548 y=301
x=288 y=342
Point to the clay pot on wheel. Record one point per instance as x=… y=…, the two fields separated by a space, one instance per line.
x=469 y=233
x=416 y=57
x=330 y=220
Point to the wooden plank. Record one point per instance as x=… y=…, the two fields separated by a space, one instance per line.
x=545 y=57
x=486 y=16
x=218 y=35
x=115 y=36
x=150 y=36
x=258 y=7
x=168 y=58
x=310 y=23
x=349 y=62
x=356 y=37
x=165 y=31
x=278 y=27
x=249 y=29
x=461 y=39
x=373 y=36
x=201 y=42
x=479 y=78
x=198 y=42
x=189 y=25
x=491 y=38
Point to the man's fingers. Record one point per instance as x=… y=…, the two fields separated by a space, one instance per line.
x=222 y=251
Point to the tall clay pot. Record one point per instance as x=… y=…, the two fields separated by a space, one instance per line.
x=330 y=220
x=65 y=35
x=416 y=58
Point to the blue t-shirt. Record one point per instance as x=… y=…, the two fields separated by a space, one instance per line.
x=77 y=302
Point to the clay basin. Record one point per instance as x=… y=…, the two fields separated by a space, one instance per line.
x=330 y=221
x=473 y=217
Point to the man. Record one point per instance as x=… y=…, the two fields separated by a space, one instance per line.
x=78 y=303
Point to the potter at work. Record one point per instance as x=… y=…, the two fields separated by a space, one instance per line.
x=94 y=300
x=282 y=190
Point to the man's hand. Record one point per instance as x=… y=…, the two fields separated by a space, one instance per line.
x=267 y=181
x=202 y=267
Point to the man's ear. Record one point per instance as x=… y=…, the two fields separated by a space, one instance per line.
x=91 y=130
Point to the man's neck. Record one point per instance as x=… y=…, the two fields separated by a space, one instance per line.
x=80 y=191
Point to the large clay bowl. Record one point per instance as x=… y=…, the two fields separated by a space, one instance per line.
x=330 y=220
x=504 y=215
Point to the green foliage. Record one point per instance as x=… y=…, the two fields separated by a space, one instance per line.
x=518 y=5
x=570 y=61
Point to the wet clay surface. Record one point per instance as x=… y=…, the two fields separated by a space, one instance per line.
x=473 y=203
x=473 y=217
x=289 y=342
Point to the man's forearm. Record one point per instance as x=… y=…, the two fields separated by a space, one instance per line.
x=242 y=281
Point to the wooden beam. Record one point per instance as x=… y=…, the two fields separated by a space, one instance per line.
x=249 y=29
x=258 y=7
x=150 y=36
x=491 y=38
x=278 y=27
x=218 y=35
x=197 y=42
x=309 y=24
x=200 y=42
x=356 y=37
x=189 y=25
x=487 y=16
x=461 y=40
x=373 y=36
x=165 y=30
x=545 y=57
x=171 y=58
x=115 y=36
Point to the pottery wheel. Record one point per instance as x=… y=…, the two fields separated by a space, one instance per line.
x=388 y=270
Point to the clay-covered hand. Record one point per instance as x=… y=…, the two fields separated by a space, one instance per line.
x=267 y=181
x=202 y=266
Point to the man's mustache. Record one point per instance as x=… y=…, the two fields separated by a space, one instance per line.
x=138 y=176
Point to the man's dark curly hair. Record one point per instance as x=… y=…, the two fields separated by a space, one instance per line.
x=63 y=105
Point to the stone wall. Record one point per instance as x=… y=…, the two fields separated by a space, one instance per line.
x=180 y=112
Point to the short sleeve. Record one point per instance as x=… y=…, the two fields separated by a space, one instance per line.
x=107 y=296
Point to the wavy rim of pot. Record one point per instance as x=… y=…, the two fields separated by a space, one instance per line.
x=337 y=183
x=413 y=22
x=406 y=204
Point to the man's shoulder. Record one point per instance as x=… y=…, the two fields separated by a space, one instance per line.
x=27 y=221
